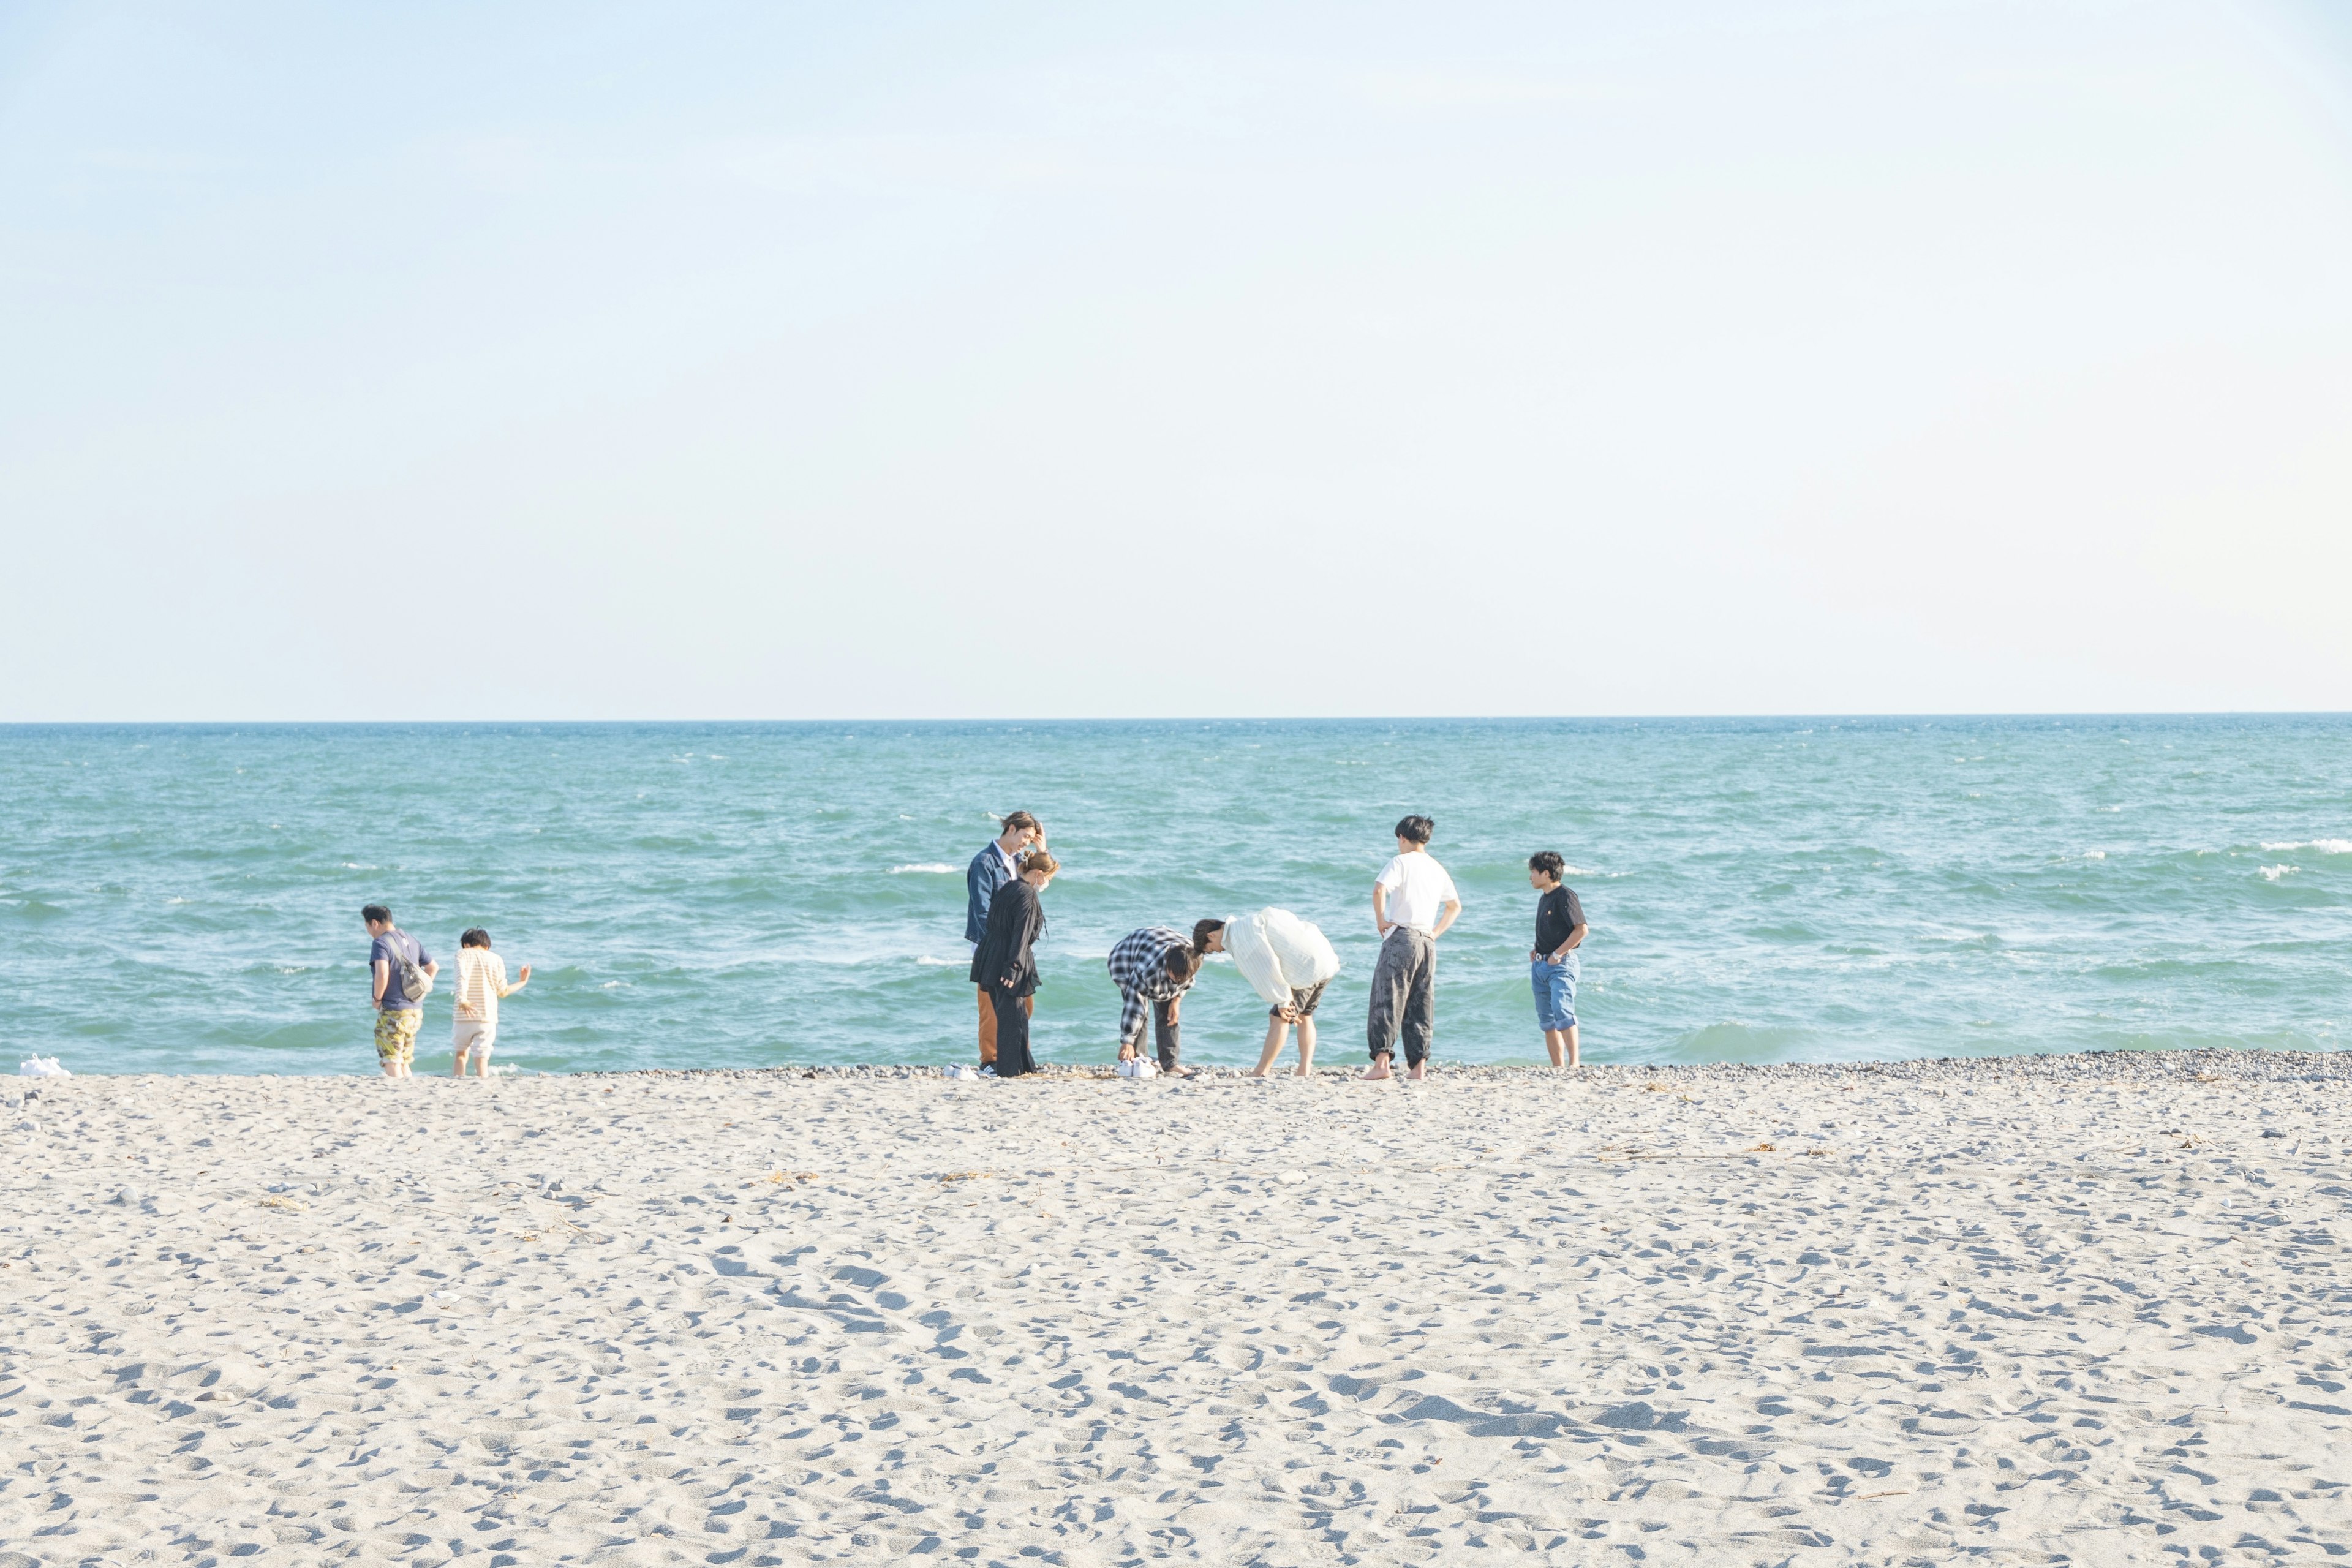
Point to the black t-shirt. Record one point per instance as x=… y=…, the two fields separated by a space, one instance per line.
x=1556 y=914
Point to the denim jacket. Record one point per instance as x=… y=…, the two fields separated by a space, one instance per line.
x=988 y=872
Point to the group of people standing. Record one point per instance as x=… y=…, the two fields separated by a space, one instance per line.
x=1288 y=961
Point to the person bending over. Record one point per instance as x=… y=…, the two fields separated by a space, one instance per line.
x=1152 y=969
x=1004 y=965
x=1289 y=962
x=1413 y=901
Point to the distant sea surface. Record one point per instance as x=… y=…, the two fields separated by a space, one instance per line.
x=187 y=898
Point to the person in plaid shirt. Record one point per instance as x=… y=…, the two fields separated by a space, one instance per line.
x=1152 y=969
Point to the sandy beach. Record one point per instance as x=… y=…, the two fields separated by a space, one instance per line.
x=2085 y=1309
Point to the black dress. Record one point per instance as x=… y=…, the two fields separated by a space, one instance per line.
x=1006 y=963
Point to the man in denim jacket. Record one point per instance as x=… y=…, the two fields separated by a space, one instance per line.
x=990 y=870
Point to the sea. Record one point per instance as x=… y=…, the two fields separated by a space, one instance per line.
x=185 y=898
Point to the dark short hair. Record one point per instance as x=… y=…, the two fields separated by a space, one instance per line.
x=475 y=937
x=377 y=913
x=1020 y=820
x=1415 y=829
x=1201 y=932
x=1549 y=862
x=1180 y=963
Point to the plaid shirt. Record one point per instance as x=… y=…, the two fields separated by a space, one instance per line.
x=1138 y=967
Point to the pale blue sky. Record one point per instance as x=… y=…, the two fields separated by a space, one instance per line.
x=765 y=362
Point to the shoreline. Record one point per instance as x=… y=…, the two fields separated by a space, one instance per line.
x=2155 y=1064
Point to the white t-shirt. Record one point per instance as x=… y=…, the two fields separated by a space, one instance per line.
x=1418 y=887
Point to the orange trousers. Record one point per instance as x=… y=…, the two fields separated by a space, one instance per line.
x=988 y=1024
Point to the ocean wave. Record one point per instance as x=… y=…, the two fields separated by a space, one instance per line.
x=1738 y=1042
x=1770 y=926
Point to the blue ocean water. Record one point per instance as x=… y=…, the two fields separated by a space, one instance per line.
x=185 y=898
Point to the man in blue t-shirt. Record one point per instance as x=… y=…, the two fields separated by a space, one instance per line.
x=398 y=1014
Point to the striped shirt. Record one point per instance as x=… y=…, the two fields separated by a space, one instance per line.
x=481 y=981
x=1138 y=967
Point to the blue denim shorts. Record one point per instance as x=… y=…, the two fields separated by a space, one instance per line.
x=1555 y=987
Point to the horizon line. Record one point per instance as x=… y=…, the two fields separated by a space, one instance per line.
x=2055 y=714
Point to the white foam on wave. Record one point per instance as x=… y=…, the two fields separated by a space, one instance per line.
x=927 y=960
x=927 y=868
x=2095 y=854
x=2273 y=873
x=2317 y=846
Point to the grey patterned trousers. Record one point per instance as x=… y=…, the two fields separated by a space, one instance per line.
x=1405 y=994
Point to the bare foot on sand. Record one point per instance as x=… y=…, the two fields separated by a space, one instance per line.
x=1419 y=1073
x=1379 y=1069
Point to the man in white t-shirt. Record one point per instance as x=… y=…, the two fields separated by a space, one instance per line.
x=1413 y=901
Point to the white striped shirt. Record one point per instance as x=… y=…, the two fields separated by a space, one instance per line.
x=481 y=981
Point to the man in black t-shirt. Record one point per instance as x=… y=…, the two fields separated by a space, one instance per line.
x=1559 y=932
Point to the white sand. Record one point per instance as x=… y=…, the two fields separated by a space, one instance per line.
x=2004 y=1313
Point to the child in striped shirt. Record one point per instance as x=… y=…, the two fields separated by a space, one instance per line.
x=481 y=981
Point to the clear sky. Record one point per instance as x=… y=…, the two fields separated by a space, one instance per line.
x=774 y=361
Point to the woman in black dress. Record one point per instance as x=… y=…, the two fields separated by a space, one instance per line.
x=1005 y=961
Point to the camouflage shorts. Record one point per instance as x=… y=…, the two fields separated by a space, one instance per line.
x=396 y=1036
